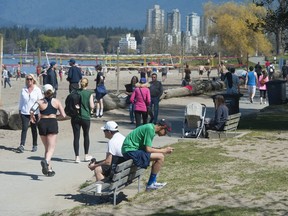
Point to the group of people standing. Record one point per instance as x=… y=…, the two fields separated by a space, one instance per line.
x=143 y=98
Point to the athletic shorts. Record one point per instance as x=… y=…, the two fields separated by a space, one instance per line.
x=47 y=126
x=140 y=158
x=251 y=89
x=106 y=170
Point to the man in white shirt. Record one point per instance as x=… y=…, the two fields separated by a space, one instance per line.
x=103 y=168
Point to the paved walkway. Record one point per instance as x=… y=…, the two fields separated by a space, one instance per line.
x=25 y=191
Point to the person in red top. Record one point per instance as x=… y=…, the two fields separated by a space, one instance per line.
x=267 y=64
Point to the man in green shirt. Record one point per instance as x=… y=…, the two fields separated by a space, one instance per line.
x=138 y=146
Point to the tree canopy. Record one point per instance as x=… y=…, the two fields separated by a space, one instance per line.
x=230 y=27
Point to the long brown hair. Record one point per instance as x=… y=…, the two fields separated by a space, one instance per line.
x=219 y=100
x=265 y=74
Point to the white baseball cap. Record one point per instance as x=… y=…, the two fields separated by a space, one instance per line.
x=110 y=126
x=47 y=87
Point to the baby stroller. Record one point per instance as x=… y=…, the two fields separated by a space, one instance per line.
x=193 y=125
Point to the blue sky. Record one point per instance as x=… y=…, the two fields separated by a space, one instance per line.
x=86 y=13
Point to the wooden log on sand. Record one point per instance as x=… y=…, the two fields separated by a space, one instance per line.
x=176 y=92
x=3 y=118
x=14 y=121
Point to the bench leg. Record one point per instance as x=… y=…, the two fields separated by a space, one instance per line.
x=139 y=184
x=114 y=197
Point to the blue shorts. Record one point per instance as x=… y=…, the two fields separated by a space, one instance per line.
x=140 y=158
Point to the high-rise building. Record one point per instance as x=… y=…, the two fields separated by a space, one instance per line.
x=155 y=20
x=193 y=24
x=173 y=22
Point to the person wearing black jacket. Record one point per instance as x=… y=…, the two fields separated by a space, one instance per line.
x=74 y=75
x=156 y=90
x=51 y=77
x=258 y=69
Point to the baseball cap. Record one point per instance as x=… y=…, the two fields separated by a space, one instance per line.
x=143 y=80
x=110 y=126
x=47 y=87
x=164 y=122
x=52 y=63
x=72 y=61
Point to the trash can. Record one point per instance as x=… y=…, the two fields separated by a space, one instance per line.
x=276 y=90
x=231 y=101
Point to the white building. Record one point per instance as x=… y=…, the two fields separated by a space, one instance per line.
x=173 y=24
x=193 y=24
x=190 y=43
x=127 y=44
x=155 y=20
x=173 y=27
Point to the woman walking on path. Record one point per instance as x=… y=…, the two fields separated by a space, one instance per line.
x=28 y=96
x=83 y=120
x=263 y=79
x=129 y=90
x=251 y=83
x=47 y=125
x=141 y=99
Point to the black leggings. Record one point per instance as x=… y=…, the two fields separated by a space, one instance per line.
x=138 y=115
x=25 y=120
x=76 y=126
x=263 y=93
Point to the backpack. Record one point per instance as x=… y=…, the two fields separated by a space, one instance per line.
x=73 y=104
x=271 y=69
x=9 y=74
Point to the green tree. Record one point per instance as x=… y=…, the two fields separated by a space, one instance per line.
x=275 y=21
x=231 y=30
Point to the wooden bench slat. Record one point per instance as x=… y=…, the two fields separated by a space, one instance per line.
x=91 y=189
x=124 y=165
x=230 y=125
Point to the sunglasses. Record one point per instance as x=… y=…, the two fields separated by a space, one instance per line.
x=105 y=130
x=29 y=79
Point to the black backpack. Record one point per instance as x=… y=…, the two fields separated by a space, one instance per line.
x=73 y=104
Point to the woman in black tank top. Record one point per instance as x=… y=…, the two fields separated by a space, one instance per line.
x=48 y=126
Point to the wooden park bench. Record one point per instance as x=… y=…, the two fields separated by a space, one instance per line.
x=231 y=125
x=125 y=173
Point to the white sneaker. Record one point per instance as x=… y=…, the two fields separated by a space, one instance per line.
x=155 y=186
x=87 y=158
x=77 y=159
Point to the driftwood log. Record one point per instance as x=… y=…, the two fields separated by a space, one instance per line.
x=3 y=118
x=11 y=119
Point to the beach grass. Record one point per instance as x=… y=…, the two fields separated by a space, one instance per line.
x=219 y=177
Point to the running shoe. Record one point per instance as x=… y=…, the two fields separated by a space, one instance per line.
x=34 y=149
x=20 y=149
x=155 y=186
x=44 y=165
